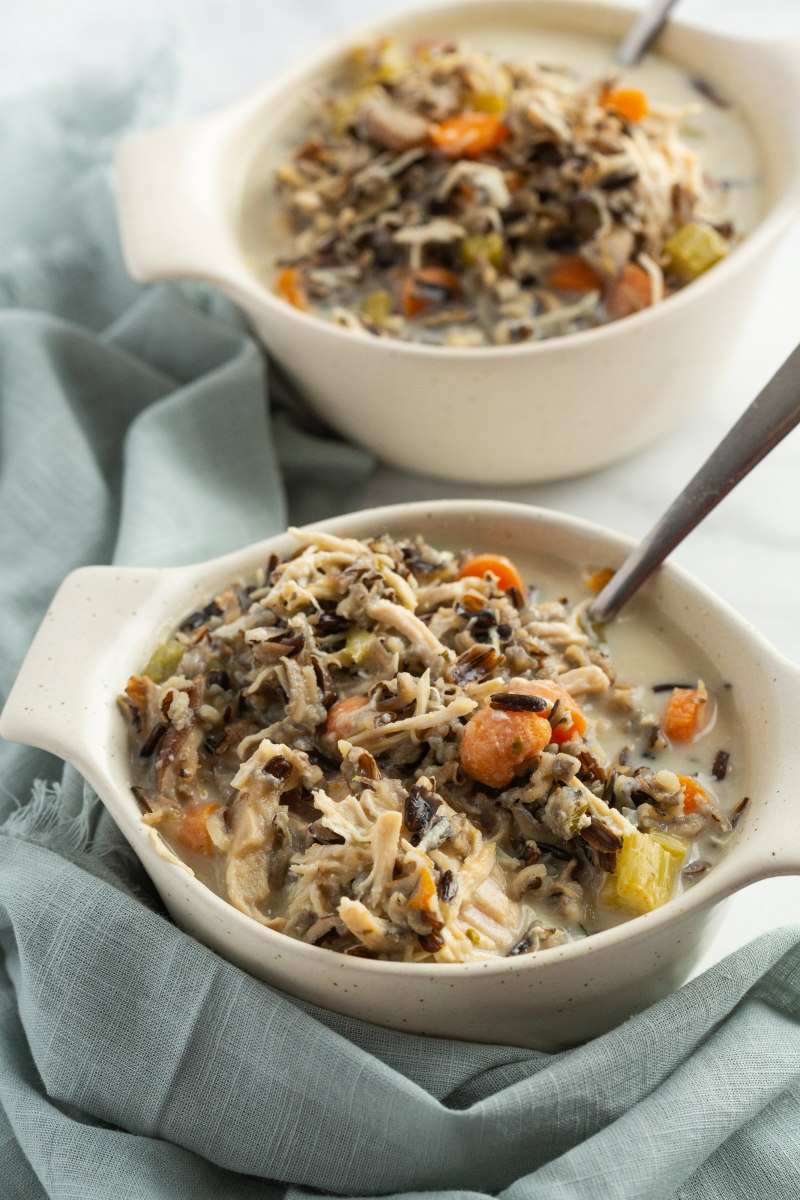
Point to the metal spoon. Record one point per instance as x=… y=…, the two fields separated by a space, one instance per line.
x=774 y=413
x=644 y=30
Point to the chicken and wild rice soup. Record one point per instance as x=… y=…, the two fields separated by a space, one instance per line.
x=412 y=754
x=449 y=195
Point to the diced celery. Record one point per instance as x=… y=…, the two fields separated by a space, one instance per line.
x=343 y=109
x=358 y=645
x=607 y=894
x=494 y=94
x=164 y=661
x=380 y=62
x=646 y=872
x=672 y=844
x=377 y=306
x=692 y=249
x=488 y=102
x=487 y=247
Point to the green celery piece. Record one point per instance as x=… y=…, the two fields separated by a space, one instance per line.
x=672 y=844
x=646 y=873
x=377 y=306
x=489 y=102
x=358 y=645
x=164 y=661
x=494 y=97
x=692 y=249
x=483 y=246
x=384 y=63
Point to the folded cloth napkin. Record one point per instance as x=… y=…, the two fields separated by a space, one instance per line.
x=137 y=427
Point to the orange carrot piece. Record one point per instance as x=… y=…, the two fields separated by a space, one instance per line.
x=686 y=714
x=695 y=797
x=289 y=284
x=420 y=287
x=597 y=580
x=470 y=134
x=503 y=568
x=572 y=274
x=630 y=103
x=192 y=832
x=424 y=893
x=630 y=292
x=496 y=745
x=575 y=724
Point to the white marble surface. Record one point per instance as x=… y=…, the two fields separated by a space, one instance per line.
x=749 y=550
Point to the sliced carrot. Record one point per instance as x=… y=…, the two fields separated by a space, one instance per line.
x=695 y=797
x=630 y=103
x=572 y=274
x=501 y=567
x=425 y=288
x=597 y=580
x=424 y=893
x=290 y=285
x=496 y=745
x=630 y=292
x=575 y=724
x=687 y=713
x=192 y=832
x=470 y=134
x=342 y=720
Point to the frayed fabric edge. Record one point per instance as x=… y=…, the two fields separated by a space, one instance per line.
x=44 y=815
x=74 y=829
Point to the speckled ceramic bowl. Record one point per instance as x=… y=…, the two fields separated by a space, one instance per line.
x=491 y=414
x=104 y=623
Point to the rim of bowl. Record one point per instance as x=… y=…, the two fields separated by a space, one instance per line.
x=766 y=229
x=703 y=894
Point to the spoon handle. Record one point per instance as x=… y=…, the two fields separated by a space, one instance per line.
x=644 y=30
x=774 y=413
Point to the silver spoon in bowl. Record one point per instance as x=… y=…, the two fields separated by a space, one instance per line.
x=642 y=32
x=774 y=413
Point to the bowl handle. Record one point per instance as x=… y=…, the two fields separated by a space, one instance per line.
x=171 y=204
x=72 y=669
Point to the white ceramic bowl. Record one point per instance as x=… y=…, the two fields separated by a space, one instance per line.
x=104 y=623
x=500 y=414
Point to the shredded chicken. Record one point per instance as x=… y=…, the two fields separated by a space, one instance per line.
x=375 y=747
x=445 y=195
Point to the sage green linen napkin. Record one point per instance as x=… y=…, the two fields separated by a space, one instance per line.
x=137 y=426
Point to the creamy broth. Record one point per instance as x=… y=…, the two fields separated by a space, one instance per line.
x=371 y=823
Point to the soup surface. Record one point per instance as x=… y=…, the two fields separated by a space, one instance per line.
x=449 y=195
x=414 y=754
